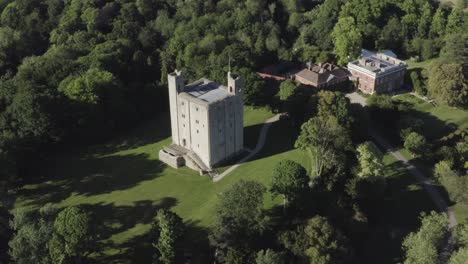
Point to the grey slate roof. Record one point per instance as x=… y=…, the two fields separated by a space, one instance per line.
x=207 y=90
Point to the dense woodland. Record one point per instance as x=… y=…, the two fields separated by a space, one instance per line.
x=75 y=72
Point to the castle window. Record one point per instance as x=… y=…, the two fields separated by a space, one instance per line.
x=196 y=121
x=196 y=108
x=182 y=103
x=197 y=131
x=230 y=89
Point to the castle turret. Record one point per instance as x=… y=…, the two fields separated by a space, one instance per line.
x=235 y=83
x=176 y=85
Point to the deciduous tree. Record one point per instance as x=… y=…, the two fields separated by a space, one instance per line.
x=270 y=257
x=423 y=246
x=324 y=139
x=370 y=161
x=169 y=229
x=448 y=84
x=239 y=220
x=317 y=242
x=347 y=40
x=73 y=238
x=415 y=143
x=289 y=180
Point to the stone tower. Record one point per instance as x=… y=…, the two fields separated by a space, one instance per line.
x=206 y=122
x=176 y=85
x=235 y=86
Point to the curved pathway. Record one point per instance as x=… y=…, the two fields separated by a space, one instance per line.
x=436 y=197
x=260 y=143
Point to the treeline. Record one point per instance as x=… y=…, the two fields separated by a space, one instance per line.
x=74 y=71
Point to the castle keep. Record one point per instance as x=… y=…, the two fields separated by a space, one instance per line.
x=206 y=122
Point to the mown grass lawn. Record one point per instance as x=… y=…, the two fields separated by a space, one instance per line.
x=439 y=121
x=123 y=184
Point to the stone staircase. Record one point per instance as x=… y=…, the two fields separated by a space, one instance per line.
x=199 y=165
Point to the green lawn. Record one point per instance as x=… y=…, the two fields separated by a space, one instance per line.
x=122 y=184
x=438 y=122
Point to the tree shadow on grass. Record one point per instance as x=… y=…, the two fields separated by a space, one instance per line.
x=111 y=220
x=399 y=214
x=280 y=138
x=194 y=247
x=148 y=132
x=91 y=176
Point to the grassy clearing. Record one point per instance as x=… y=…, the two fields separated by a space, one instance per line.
x=123 y=184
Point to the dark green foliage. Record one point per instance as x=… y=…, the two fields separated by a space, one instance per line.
x=424 y=246
x=287 y=89
x=270 y=257
x=169 y=229
x=317 y=242
x=334 y=104
x=5 y=232
x=326 y=142
x=415 y=143
x=289 y=179
x=73 y=239
x=33 y=230
x=456 y=48
x=448 y=84
x=239 y=221
x=409 y=124
x=453 y=182
x=417 y=84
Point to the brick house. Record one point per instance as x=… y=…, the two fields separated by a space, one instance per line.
x=378 y=72
x=322 y=75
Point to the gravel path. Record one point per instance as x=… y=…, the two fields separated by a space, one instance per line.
x=420 y=177
x=260 y=143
